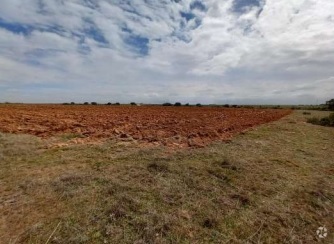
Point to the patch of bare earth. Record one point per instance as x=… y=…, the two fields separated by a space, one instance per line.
x=171 y=126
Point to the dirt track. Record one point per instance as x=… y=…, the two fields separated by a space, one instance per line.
x=171 y=126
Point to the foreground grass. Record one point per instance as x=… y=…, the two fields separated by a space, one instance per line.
x=271 y=184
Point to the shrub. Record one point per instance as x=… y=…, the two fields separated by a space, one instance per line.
x=94 y=103
x=117 y=104
x=226 y=106
x=306 y=113
x=198 y=105
x=66 y=104
x=325 y=121
x=187 y=104
x=313 y=120
x=86 y=103
x=177 y=104
x=72 y=103
x=133 y=103
x=109 y=104
x=167 y=104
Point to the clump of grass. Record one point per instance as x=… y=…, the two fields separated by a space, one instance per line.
x=210 y=223
x=158 y=167
x=306 y=113
x=325 y=121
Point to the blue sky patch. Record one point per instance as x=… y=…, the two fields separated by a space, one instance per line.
x=92 y=31
x=15 y=27
x=188 y=16
x=240 y=6
x=197 y=5
x=138 y=43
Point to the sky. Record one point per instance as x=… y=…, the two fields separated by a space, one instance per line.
x=155 y=51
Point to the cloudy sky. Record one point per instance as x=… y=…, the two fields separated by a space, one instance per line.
x=152 y=51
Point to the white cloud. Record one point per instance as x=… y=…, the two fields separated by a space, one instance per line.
x=278 y=52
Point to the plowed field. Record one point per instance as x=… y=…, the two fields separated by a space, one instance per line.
x=171 y=126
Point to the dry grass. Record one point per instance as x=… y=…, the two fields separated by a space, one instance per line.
x=272 y=184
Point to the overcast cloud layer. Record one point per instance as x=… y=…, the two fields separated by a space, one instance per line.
x=211 y=51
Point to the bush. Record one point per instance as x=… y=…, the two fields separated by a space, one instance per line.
x=167 y=104
x=133 y=103
x=109 y=104
x=72 y=103
x=198 y=105
x=86 y=103
x=187 y=104
x=117 y=104
x=226 y=106
x=313 y=120
x=325 y=121
x=306 y=113
x=177 y=104
x=94 y=103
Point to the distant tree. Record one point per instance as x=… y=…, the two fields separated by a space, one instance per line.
x=234 y=106
x=133 y=103
x=93 y=103
x=187 y=104
x=72 y=103
x=66 y=104
x=198 y=105
x=330 y=104
x=177 y=104
x=226 y=105
x=86 y=103
x=167 y=104
x=109 y=104
x=117 y=104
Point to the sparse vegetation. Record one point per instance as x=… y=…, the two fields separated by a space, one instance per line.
x=198 y=105
x=167 y=104
x=307 y=113
x=177 y=104
x=94 y=103
x=133 y=103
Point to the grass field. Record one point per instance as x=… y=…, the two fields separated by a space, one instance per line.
x=272 y=184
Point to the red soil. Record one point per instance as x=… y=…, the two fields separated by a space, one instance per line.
x=171 y=126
